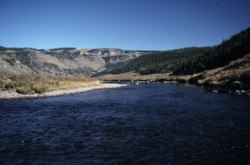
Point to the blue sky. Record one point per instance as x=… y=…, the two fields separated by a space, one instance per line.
x=125 y=24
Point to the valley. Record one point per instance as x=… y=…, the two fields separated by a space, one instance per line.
x=224 y=67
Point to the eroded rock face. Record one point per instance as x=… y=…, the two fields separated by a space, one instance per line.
x=61 y=61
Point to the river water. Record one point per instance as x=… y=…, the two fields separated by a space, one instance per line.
x=145 y=124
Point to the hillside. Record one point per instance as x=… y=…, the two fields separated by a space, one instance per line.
x=61 y=61
x=235 y=75
x=160 y=62
x=187 y=60
x=235 y=47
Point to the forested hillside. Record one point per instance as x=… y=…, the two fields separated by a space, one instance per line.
x=187 y=60
x=159 y=62
x=236 y=47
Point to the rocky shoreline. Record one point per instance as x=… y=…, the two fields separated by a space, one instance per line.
x=15 y=95
x=226 y=90
x=208 y=88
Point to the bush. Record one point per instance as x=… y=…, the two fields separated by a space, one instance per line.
x=24 y=90
x=7 y=84
x=39 y=88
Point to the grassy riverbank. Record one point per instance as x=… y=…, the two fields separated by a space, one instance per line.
x=36 y=84
x=75 y=90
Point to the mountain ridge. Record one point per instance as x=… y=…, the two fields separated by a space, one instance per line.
x=61 y=61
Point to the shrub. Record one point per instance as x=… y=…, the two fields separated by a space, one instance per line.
x=24 y=90
x=39 y=88
x=7 y=84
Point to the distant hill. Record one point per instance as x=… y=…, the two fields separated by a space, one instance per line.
x=159 y=62
x=61 y=61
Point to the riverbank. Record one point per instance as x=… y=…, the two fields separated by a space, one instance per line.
x=14 y=95
x=233 y=78
x=209 y=83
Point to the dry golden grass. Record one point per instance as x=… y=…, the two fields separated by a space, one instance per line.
x=152 y=77
x=238 y=70
x=31 y=84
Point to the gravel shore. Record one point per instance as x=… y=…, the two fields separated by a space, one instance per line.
x=14 y=95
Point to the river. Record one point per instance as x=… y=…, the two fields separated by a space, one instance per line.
x=149 y=123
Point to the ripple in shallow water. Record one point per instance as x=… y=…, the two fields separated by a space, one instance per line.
x=147 y=124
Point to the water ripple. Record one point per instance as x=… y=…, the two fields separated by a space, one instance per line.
x=145 y=124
